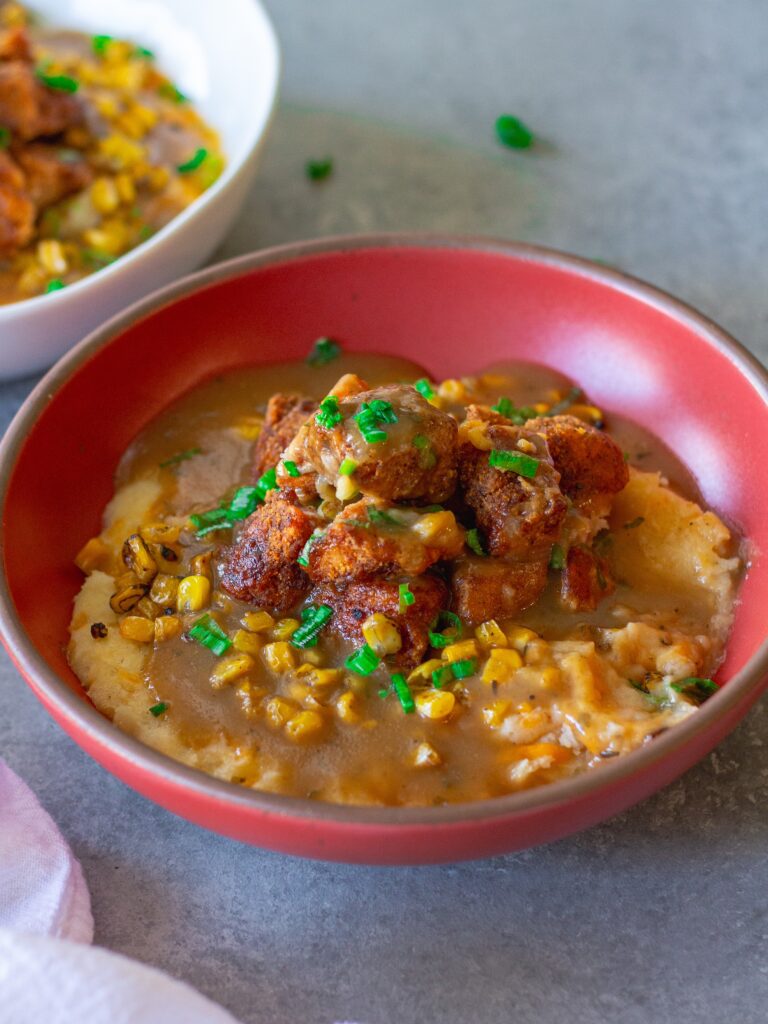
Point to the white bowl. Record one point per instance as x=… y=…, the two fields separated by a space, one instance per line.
x=225 y=57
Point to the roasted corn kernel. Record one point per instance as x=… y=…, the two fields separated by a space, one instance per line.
x=104 y=195
x=279 y=656
x=501 y=665
x=519 y=637
x=138 y=559
x=305 y=725
x=381 y=635
x=423 y=672
x=247 y=642
x=459 y=651
x=50 y=254
x=201 y=565
x=257 y=622
x=148 y=608
x=127 y=597
x=347 y=707
x=435 y=704
x=229 y=669
x=438 y=528
x=136 y=627
x=490 y=634
x=160 y=533
x=426 y=756
x=194 y=594
x=280 y=711
x=164 y=590
x=93 y=555
x=167 y=627
x=249 y=427
x=285 y=628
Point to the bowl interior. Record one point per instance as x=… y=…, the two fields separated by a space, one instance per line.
x=456 y=309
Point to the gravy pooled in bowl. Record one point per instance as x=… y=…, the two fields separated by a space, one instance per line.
x=342 y=580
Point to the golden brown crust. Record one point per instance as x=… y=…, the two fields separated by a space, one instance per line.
x=48 y=177
x=484 y=588
x=521 y=518
x=588 y=461
x=261 y=565
x=15 y=44
x=352 y=604
x=586 y=580
x=284 y=416
x=29 y=108
x=17 y=212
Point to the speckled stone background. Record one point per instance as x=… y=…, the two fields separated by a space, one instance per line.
x=653 y=116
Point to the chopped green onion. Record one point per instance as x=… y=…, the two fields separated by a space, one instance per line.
x=565 y=403
x=405 y=596
x=267 y=482
x=525 y=465
x=244 y=502
x=291 y=468
x=209 y=633
x=100 y=44
x=381 y=518
x=214 y=519
x=159 y=709
x=375 y=436
x=54 y=285
x=61 y=83
x=142 y=51
x=474 y=543
x=464 y=668
x=635 y=523
x=557 y=558
x=450 y=634
x=314 y=619
x=363 y=661
x=697 y=689
x=319 y=170
x=424 y=388
x=382 y=410
x=328 y=415
x=325 y=350
x=97 y=258
x=180 y=457
x=503 y=407
x=194 y=161
x=371 y=414
x=512 y=132
x=427 y=457
x=303 y=558
x=506 y=408
x=5 y=137
x=170 y=92
x=403 y=691
x=348 y=467
x=441 y=676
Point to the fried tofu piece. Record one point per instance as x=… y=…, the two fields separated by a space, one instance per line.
x=29 y=108
x=48 y=177
x=17 y=211
x=585 y=580
x=261 y=567
x=353 y=603
x=416 y=461
x=589 y=462
x=284 y=417
x=520 y=517
x=489 y=588
x=370 y=538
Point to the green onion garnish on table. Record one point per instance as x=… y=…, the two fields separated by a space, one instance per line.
x=324 y=351
x=517 y=462
x=511 y=131
x=61 y=83
x=451 y=632
x=363 y=661
x=319 y=170
x=194 y=161
x=405 y=596
x=209 y=633
x=313 y=619
x=403 y=691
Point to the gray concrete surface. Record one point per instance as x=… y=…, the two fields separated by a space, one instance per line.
x=654 y=117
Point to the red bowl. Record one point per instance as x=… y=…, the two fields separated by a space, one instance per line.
x=456 y=305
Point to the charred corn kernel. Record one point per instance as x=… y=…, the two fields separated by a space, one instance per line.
x=280 y=711
x=347 y=707
x=279 y=656
x=490 y=634
x=257 y=622
x=247 y=642
x=167 y=627
x=104 y=195
x=201 y=565
x=435 y=704
x=136 y=627
x=453 y=390
x=126 y=598
x=535 y=751
x=381 y=635
x=126 y=189
x=426 y=756
x=346 y=488
x=501 y=665
x=305 y=725
x=249 y=427
x=285 y=628
x=126 y=579
x=50 y=254
x=423 y=672
x=160 y=533
x=519 y=637
x=249 y=695
x=194 y=594
x=93 y=555
x=494 y=714
x=229 y=669
x=460 y=651
x=164 y=590
x=438 y=528
x=590 y=413
x=148 y=608
x=138 y=559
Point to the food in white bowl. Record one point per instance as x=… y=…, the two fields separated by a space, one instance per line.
x=97 y=204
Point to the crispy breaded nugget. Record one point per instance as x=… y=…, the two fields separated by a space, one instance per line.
x=521 y=517
x=284 y=417
x=29 y=108
x=370 y=538
x=352 y=604
x=48 y=177
x=588 y=461
x=586 y=580
x=415 y=462
x=489 y=588
x=17 y=211
x=260 y=567
x=15 y=44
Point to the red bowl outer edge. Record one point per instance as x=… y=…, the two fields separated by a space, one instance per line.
x=448 y=292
